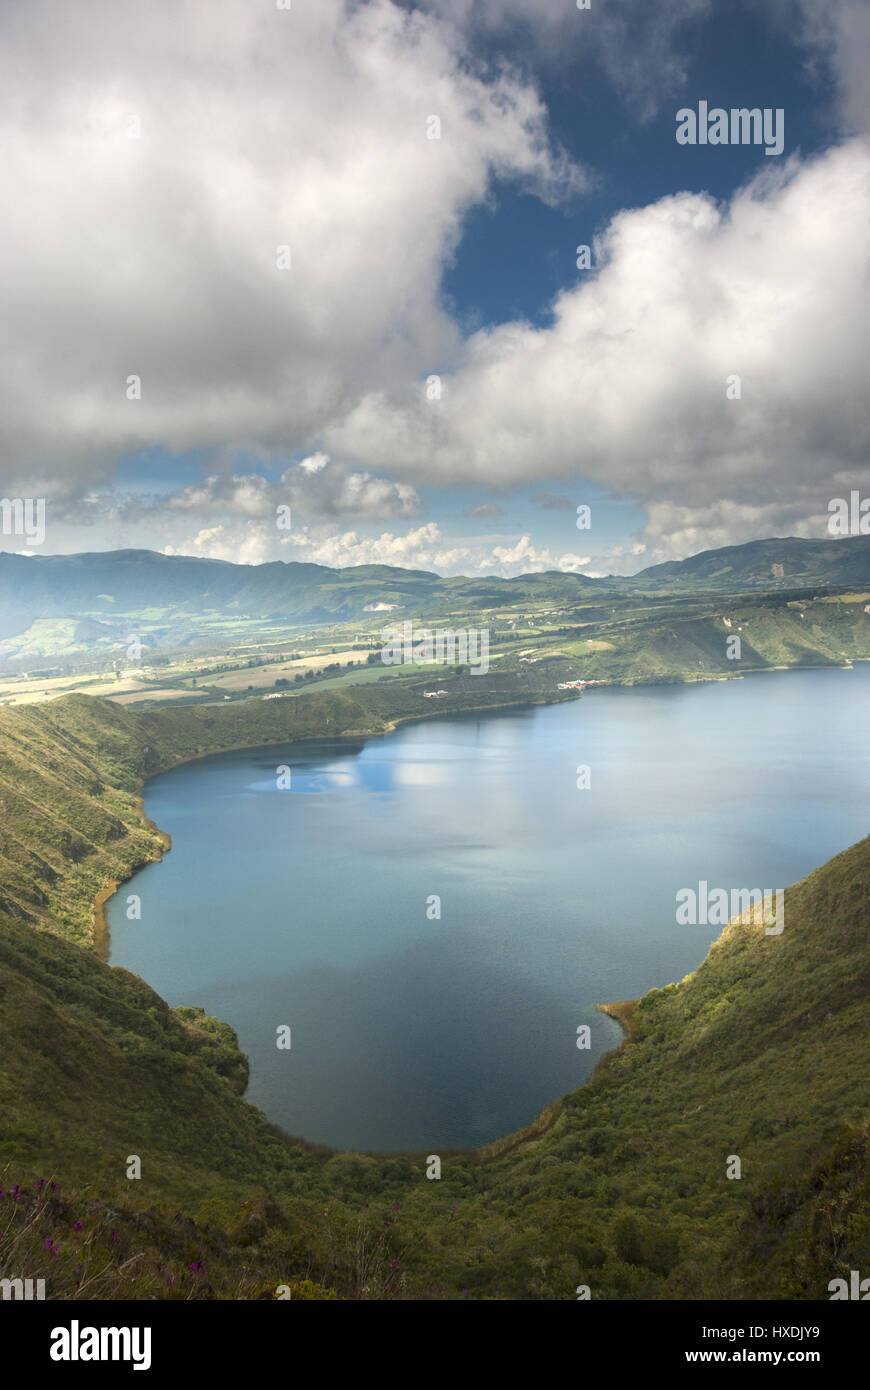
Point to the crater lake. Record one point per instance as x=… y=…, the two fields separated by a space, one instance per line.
x=436 y=912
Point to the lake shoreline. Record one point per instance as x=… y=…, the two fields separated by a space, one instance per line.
x=101 y=931
x=102 y=939
x=620 y=1011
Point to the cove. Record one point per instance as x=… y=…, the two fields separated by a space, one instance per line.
x=307 y=907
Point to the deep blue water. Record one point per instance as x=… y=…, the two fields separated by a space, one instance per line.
x=307 y=906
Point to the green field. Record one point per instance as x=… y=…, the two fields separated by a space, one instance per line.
x=629 y=641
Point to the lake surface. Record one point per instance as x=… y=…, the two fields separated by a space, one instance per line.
x=310 y=907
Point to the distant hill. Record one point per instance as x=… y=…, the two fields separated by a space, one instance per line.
x=110 y=582
x=57 y=604
x=784 y=563
x=60 y=604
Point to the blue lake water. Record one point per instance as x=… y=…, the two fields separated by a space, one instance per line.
x=310 y=907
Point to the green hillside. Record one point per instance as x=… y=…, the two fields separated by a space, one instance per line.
x=760 y=1054
x=676 y=642
x=73 y=606
x=784 y=562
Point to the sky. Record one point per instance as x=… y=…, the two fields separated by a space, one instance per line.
x=300 y=280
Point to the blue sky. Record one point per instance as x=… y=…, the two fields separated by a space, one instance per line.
x=151 y=194
x=515 y=256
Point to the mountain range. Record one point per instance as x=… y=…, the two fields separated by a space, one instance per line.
x=98 y=596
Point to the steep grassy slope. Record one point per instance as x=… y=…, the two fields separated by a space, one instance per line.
x=101 y=1057
x=760 y=1054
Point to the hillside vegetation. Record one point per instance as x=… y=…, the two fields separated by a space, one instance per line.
x=667 y=643
x=760 y=1054
x=77 y=606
